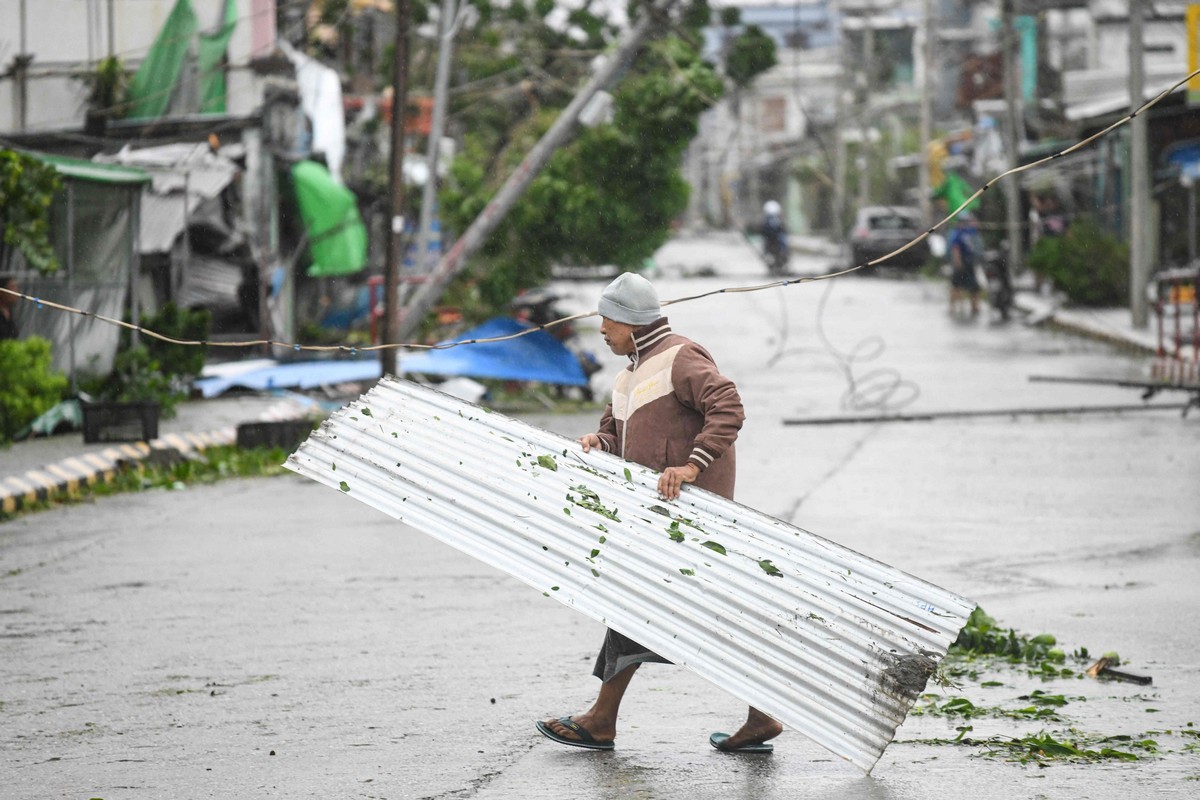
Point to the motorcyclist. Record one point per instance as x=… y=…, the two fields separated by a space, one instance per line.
x=775 y=240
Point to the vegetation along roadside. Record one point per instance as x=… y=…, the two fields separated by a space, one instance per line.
x=214 y=464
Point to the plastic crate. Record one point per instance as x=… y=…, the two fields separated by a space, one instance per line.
x=119 y=422
x=285 y=434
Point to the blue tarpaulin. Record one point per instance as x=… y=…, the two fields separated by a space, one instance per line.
x=1186 y=156
x=537 y=356
x=270 y=376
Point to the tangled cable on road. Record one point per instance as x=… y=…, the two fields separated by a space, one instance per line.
x=873 y=387
x=883 y=389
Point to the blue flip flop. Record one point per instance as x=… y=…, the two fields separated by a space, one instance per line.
x=718 y=739
x=585 y=740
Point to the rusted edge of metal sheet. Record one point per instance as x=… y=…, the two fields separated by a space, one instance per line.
x=832 y=643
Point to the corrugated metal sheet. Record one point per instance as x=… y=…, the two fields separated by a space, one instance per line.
x=174 y=169
x=162 y=220
x=831 y=643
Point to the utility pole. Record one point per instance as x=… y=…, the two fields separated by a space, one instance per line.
x=391 y=276
x=926 y=111
x=446 y=29
x=864 y=105
x=1014 y=101
x=474 y=236
x=20 y=72
x=840 y=156
x=1139 y=196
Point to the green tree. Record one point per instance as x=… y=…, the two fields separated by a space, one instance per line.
x=29 y=386
x=1088 y=263
x=27 y=188
x=608 y=197
x=749 y=55
x=155 y=370
x=108 y=87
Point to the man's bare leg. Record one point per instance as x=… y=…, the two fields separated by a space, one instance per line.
x=601 y=719
x=759 y=728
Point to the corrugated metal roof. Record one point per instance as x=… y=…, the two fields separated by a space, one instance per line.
x=91 y=171
x=831 y=643
x=173 y=169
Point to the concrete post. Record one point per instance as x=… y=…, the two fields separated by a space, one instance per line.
x=1139 y=198
x=1012 y=193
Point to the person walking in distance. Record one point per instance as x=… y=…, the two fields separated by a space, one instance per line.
x=674 y=412
x=964 y=247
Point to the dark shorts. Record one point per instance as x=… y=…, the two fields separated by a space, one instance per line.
x=964 y=278
x=618 y=653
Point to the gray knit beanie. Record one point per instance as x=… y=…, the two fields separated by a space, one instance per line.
x=630 y=299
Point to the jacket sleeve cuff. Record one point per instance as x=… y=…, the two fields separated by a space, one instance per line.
x=701 y=458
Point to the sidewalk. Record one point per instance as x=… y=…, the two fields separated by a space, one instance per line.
x=43 y=467
x=1114 y=325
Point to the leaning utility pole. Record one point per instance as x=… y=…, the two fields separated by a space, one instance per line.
x=1015 y=103
x=1139 y=195
x=391 y=275
x=453 y=262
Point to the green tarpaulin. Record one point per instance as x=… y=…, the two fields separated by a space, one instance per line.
x=337 y=237
x=158 y=77
x=212 y=53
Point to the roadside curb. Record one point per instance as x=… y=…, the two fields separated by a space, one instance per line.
x=1045 y=310
x=67 y=476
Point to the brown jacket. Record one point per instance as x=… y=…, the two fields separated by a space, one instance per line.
x=672 y=406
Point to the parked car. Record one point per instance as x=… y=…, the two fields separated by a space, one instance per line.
x=879 y=230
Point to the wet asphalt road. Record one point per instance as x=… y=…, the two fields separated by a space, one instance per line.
x=272 y=638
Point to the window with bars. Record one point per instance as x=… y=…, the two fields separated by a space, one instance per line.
x=773 y=115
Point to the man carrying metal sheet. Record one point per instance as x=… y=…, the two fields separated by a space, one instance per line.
x=673 y=412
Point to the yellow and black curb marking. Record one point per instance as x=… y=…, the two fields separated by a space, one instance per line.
x=66 y=477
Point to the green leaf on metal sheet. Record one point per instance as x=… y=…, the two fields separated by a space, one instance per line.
x=770 y=568
x=591 y=501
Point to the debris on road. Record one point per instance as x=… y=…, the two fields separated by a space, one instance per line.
x=1103 y=668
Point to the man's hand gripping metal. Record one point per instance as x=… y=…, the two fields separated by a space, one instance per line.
x=669 y=483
